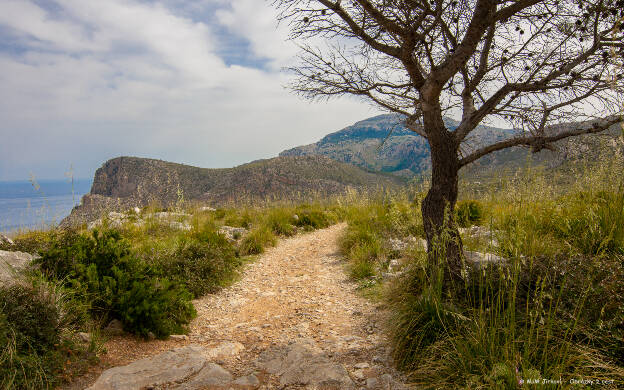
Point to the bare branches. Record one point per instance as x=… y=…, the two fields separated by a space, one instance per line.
x=539 y=142
x=529 y=64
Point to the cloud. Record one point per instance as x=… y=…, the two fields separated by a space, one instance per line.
x=196 y=82
x=258 y=23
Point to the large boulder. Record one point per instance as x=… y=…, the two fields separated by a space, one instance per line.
x=12 y=263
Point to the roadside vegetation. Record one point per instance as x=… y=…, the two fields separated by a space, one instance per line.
x=141 y=271
x=549 y=308
x=550 y=312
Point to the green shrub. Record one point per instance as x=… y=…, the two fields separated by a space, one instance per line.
x=255 y=242
x=361 y=269
x=202 y=263
x=116 y=284
x=357 y=236
x=237 y=218
x=469 y=212
x=30 y=242
x=153 y=305
x=36 y=322
x=281 y=222
x=311 y=219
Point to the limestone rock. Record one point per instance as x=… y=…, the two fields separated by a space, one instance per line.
x=247 y=381
x=399 y=245
x=210 y=375
x=302 y=363
x=359 y=375
x=481 y=233
x=113 y=219
x=84 y=337
x=164 y=215
x=207 y=208
x=5 y=241
x=168 y=368
x=12 y=263
x=480 y=260
x=372 y=383
x=226 y=349
x=232 y=233
x=180 y=225
x=115 y=328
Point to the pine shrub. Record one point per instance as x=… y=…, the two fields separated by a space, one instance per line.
x=116 y=284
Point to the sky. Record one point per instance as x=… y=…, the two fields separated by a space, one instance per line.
x=199 y=82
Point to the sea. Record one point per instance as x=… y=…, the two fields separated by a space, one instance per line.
x=42 y=204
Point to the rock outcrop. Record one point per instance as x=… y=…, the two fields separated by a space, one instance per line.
x=184 y=368
x=12 y=263
x=303 y=363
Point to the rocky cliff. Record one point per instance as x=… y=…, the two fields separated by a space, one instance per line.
x=125 y=182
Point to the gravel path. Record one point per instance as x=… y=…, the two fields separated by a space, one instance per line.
x=296 y=292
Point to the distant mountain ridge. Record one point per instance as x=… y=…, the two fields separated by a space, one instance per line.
x=125 y=182
x=383 y=144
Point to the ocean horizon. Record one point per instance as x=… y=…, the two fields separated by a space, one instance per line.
x=26 y=205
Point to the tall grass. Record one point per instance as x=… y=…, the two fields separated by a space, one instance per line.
x=552 y=313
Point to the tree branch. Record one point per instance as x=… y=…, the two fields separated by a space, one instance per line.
x=540 y=142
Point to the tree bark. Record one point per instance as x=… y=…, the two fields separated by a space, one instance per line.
x=439 y=205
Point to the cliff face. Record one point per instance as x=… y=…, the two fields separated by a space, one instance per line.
x=145 y=180
x=126 y=182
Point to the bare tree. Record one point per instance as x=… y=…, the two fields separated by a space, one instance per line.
x=533 y=64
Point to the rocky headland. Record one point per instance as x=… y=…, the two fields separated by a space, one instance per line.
x=126 y=182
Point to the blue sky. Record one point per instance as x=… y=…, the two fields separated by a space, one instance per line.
x=197 y=82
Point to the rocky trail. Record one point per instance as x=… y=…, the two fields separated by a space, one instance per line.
x=293 y=321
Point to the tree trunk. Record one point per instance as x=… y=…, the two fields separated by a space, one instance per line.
x=439 y=205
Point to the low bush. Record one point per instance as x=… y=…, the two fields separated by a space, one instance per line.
x=36 y=322
x=255 y=242
x=116 y=284
x=30 y=242
x=281 y=221
x=201 y=262
x=313 y=217
x=364 y=256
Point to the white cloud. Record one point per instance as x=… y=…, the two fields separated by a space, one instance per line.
x=34 y=24
x=97 y=79
x=256 y=20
